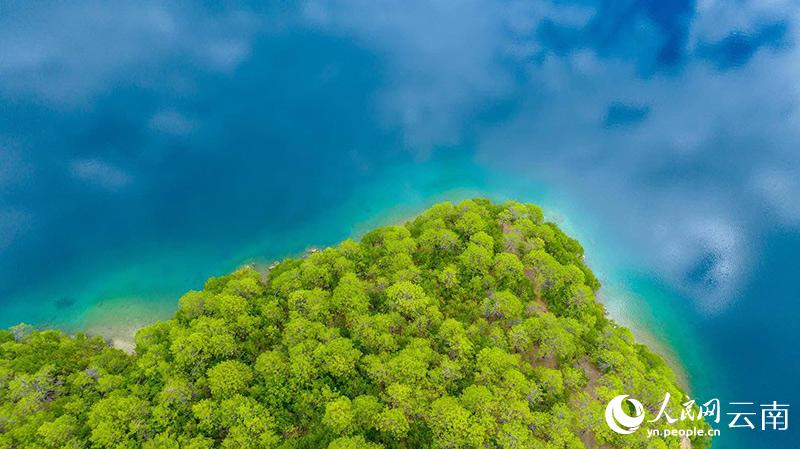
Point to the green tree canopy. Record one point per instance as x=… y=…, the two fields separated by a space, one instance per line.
x=474 y=325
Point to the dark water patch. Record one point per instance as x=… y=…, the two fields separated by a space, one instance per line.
x=64 y=302
x=622 y=114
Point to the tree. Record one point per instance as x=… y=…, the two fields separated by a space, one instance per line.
x=61 y=432
x=503 y=305
x=471 y=326
x=119 y=421
x=249 y=425
x=229 y=378
x=509 y=270
x=476 y=260
x=357 y=442
x=453 y=426
x=393 y=421
x=339 y=416
x=407 y=298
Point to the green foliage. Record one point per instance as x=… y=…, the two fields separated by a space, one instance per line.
x=339 y=415
x=229 y=378
x=472 y=326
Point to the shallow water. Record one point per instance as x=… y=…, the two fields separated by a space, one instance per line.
x=116 y=295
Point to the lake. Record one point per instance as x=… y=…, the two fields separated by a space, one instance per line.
x=146 y=147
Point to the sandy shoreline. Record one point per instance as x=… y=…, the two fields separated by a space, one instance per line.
x=118 y=320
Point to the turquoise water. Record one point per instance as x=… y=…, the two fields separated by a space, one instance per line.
x=113 y=296
x=116 y=295
x=145 y=146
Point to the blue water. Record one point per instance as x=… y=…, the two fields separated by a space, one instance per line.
x=145 y=147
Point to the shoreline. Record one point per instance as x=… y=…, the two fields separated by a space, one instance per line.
x=104 y=320
x=117 y=320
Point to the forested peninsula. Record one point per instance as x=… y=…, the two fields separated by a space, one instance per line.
x=471 y=326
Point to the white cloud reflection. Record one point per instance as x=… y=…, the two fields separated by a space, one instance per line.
x=676 y=122
x=687 y=175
